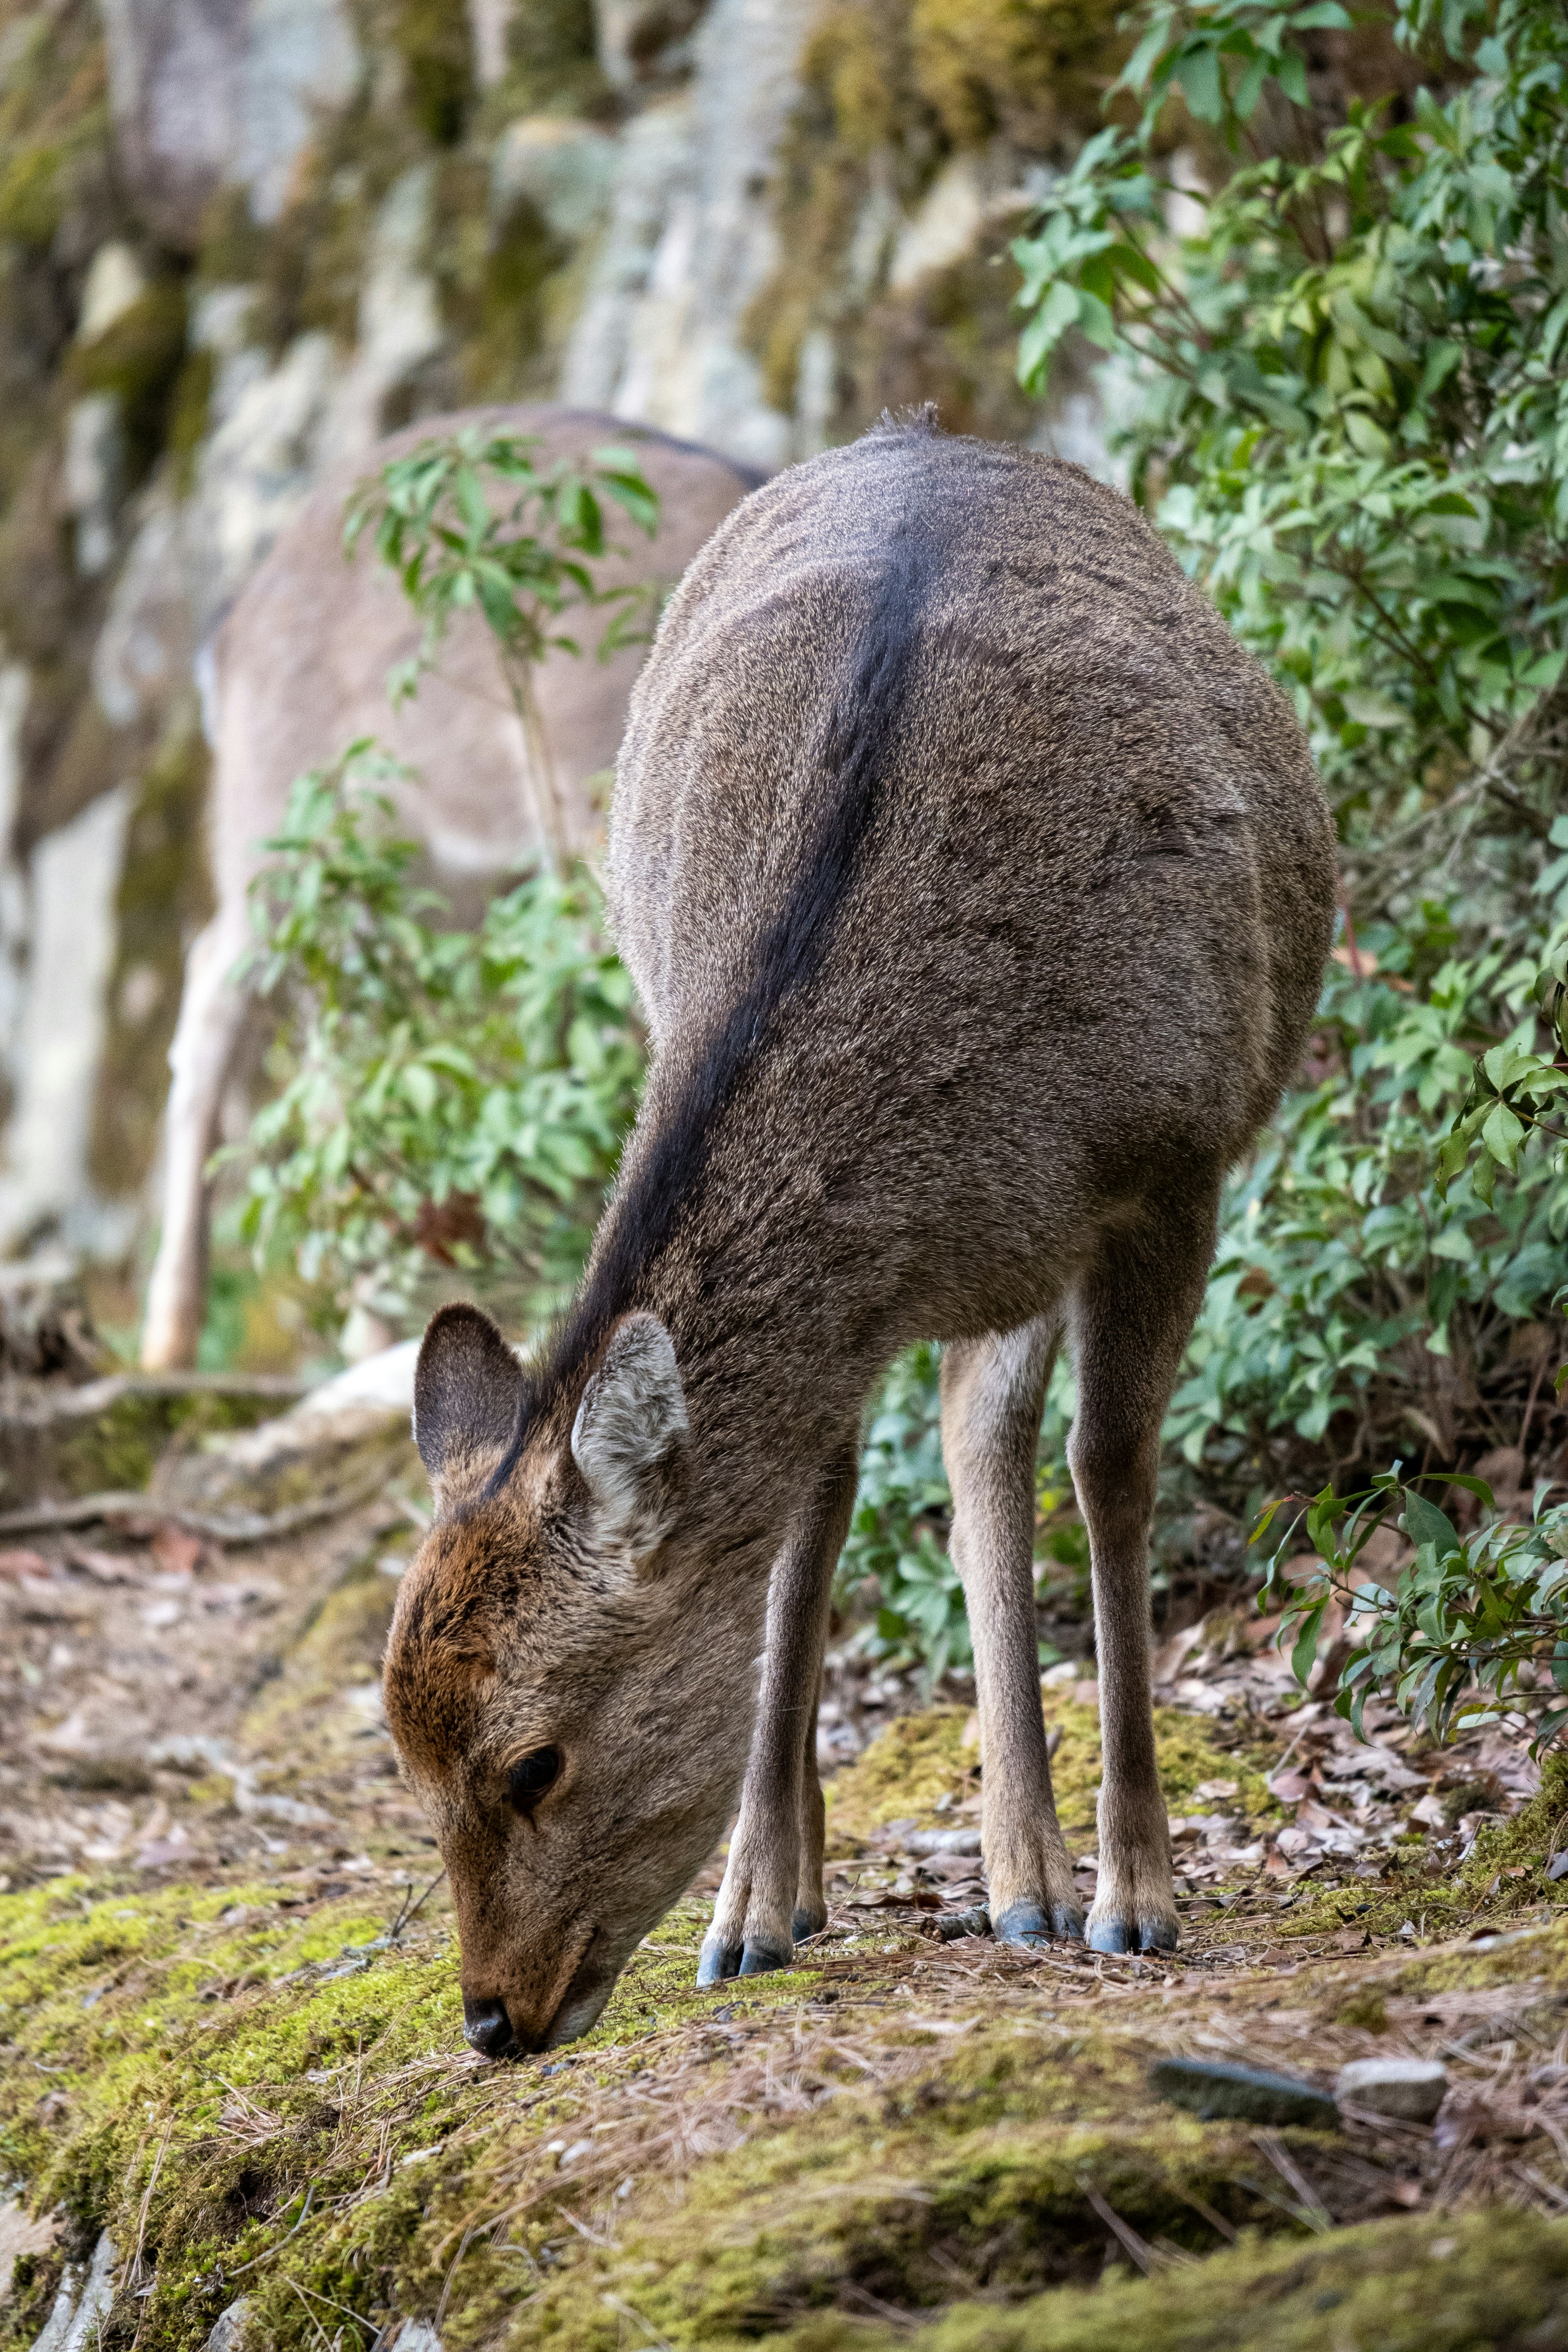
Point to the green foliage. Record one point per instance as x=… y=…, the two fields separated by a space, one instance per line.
x=898 y=1532
x=1350 y=422
x=1356 y=1285
x=524 y=561
x=448 y=1097
x=904 y=1509
x=454 y=1098
x=1472 y=1629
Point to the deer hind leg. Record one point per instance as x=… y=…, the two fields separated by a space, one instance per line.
x=993 y=1391
x=1134 y=1310
x=213 y=1013
x=771 y=1892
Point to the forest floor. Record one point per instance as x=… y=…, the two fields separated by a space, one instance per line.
x=236 y=2105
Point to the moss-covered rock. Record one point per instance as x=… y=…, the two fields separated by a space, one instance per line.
x=137 y=359
x=165 y=896
x=892 y=91
x=265 y=2082
x=1494 y=2281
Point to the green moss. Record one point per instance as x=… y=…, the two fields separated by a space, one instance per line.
x=189 y=413
x=495 y=280
x=920 y=1758
x=917 y=1759
x=54 y=121
x=554 y=65
x=138 y=359
x=1494 y=2281
x=1032 y=70
x=969 y=2178
x=433 y=41
x=163 y=897
x=890 y=90
x=1503 y=1877
x=118 y=1447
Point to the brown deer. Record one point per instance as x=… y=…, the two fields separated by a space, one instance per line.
x=298 y=671
x=978 y=887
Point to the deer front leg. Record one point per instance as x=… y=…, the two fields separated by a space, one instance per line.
x=993 y=1391
x=771 y=1892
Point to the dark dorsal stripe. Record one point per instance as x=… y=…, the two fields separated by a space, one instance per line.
x=667 y=1175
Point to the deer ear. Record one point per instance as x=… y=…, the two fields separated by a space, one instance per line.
x=467 y=1386
x=628 y=1439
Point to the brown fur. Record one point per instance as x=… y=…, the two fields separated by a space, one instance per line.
x=300 y=672
x=978 y=889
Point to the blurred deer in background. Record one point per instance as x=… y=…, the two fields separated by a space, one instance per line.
x=300 y=670
x=978 y=887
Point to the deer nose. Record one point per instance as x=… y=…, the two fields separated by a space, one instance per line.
x=487 y=2027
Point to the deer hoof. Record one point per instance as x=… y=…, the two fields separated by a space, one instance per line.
x=1116 y=1934
x=759 y=1956
x=719 y=1960
x=1029 y=1926
x=805 y=1924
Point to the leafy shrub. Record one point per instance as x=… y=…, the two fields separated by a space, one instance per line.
x=470 y=521
x=448 y=1098
x=1474 y=1628
x=1350 y=421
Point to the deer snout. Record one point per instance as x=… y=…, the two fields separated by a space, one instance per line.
x=487 y=2029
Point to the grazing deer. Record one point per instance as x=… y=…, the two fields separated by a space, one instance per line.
x=300 y=670
x=978 y=887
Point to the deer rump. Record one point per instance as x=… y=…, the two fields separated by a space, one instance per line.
x=953 y=830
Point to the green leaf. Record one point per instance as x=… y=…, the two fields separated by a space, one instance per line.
x=1303 y=1656
x=1425 y=1524
x=1198 y=74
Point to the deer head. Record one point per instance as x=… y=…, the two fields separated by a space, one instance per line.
x=568 y=1680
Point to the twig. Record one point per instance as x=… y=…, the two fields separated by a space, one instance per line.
x=405 y=1914
x=1138 y=2249
x=230 y=1528
x=267 y=2250
x=308 y=2312
x=135 y=2276
x=1315 y=2215
x=99 y=1396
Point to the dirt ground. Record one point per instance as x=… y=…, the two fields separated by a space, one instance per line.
x=236 y=2106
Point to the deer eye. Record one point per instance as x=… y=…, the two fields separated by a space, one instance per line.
x=531 y=1776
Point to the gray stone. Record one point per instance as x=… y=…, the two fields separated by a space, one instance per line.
x=206 y=93
x=82 y=2305
x=956 y=1926
x=229 y=2329
x=1211 y=2087
x=564 y=169
x=1409 y=2089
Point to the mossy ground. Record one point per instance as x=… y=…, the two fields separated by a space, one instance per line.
x=258 y=2078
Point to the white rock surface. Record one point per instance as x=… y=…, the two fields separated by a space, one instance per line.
x=1409 y=2090
x=81 y=2306
x=74 y=878
x=566 y=171
x=115 y=284
x=384 y=1378
x=690 y=243
x=229 y=2329
x=206 y=93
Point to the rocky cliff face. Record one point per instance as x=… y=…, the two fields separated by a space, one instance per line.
x=240 y=238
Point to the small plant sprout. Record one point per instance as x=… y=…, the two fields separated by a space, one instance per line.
x=471 y=519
